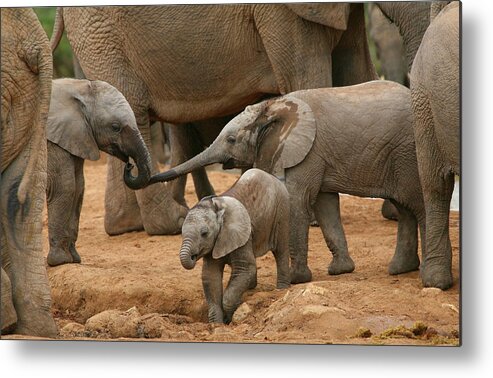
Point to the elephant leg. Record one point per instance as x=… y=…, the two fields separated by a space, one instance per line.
x=178 y=143
x=437 y=182
x=298 y=240
x=153 y=208
x=61 y=197
x=158 y=142
x=328 y=214
x=389 y=211
x=436 y=270
x=78 y=198
x=243 y=273
x=7 y=310
x=122 y=212
x=22 y=246
x=212 y=282
x=281 y=253
x=184 y=140
x=406 y=257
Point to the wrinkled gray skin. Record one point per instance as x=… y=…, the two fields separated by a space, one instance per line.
x=356 y=140
x=26 y=75
x=389 y=46
x=435 y=102
x=190 y=64
x=85 y=117
x=245 y=222
x=412 y=19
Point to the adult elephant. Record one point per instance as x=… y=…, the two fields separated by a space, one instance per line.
x=26 y=89
x=436 y=107
x=389 y=47
x=196 y=63
x=412 y=18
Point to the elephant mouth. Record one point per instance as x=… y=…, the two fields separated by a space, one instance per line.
x=116 y=152
x=233 y=163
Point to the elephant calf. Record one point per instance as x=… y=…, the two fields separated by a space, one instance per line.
x=243 y=223
x=85 y=117
x=356 y=140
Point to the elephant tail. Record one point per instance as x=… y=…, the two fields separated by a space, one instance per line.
x=44 y=69
x=58 y=29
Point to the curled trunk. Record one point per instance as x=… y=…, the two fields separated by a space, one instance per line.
x=185 y=254
x=142 y=160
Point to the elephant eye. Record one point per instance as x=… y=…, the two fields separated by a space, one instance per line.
x=204 y=232
x=231 y=139
x=116 y=127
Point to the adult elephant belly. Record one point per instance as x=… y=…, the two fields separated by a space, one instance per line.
x=210 y=66
x=190 y=64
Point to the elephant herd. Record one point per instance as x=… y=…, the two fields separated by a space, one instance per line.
x=279 y=90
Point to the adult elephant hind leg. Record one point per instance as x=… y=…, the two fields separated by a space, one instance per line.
x=406 y=252
x=328 y=214
x=8 y=316
x=437 y=183
x=184 y=140
x=22 y=227
x=122 y=212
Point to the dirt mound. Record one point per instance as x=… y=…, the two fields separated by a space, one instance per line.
x=133 y=287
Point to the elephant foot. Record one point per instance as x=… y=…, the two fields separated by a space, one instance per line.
x=114 y=225
x=300 y=274
x=436 y=276
x=42 y=326
x=75 y=255
x=58 y=256
x=283 y=285
x=389 y=211
x=400 y=264
x=253 y=282
x=154 y=226
x=215 y=314
x=341 y=265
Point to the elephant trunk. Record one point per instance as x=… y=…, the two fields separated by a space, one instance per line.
x=207 y=157
x=185 y=254
x=142 y=159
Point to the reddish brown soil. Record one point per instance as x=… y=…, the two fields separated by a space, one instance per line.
x=139 y=278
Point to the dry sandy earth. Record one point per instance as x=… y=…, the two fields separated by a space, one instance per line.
x=133 y=287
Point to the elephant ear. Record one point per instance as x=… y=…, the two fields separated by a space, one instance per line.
x=236 y=226
x=334 y=15
x=287 y=139
x=69 y=118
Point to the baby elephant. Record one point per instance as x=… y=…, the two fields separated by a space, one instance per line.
x=357 y=140
x=245 y=222
x=85 y=117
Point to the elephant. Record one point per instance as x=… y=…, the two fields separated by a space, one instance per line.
x=189 y=64
x=356 y=140
x=436 y=105
x=245 y=222
x=388 y=46
x=412 y=18
x=26 y=76
x=85 y=117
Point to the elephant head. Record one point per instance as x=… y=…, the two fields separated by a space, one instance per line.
x=88 y=116
x=272 y=135
x=216 y=225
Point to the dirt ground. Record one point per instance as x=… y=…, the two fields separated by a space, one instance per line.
x=133 y=287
